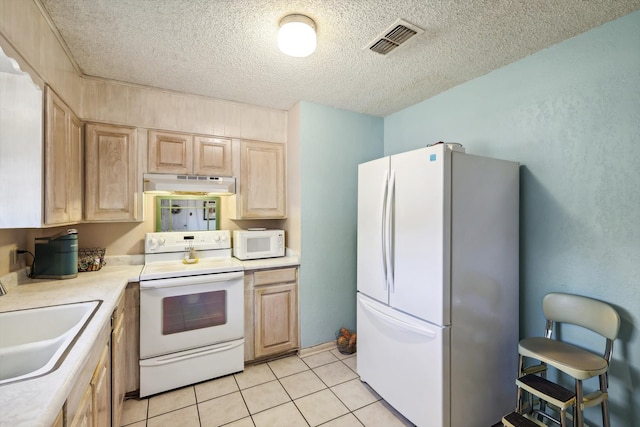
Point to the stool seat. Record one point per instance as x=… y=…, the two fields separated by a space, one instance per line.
x=568 y=358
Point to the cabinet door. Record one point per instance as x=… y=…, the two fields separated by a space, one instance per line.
x=111 y=174
x=59 y=422
x=276 y=319
x=212 y=156
x=262 y=180
x=170 y=152
x=118 y=365
x=84 y=414
x=56 y=159
x=101 y=391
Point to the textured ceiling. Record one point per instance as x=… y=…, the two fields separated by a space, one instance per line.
x=227 y=48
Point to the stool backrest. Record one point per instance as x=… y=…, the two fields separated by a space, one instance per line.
x=589 y=313
x=586 y=312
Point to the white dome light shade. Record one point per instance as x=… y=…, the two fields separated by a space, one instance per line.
x=297 y=36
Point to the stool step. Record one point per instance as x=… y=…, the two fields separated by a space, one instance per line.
x=547 y=390
x=514 y=419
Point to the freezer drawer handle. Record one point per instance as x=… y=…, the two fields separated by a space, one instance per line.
x=170 y=359
x=396 y=322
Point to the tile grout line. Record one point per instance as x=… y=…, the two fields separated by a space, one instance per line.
x=243 y=399
x=285 y=389
x=250 y=415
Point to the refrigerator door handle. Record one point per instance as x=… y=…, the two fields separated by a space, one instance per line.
x=389 y=231
x=397 y=322
x=383 y=228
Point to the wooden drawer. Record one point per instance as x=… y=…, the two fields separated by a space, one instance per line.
x=270 y=277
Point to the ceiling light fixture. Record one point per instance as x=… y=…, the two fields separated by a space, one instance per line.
x=297 y=36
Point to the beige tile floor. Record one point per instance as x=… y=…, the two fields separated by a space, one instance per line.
x=322 y=389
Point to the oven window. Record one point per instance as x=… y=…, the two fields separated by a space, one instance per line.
x=194 y=311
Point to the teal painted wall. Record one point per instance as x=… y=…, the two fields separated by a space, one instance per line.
x=332 y=144
x=571 y=116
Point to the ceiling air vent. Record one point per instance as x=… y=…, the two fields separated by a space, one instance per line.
x=394 y=36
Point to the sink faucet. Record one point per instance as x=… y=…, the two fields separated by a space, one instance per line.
x=3 y=291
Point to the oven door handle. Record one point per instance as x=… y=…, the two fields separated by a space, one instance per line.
x=173 y=359
x=191 y=280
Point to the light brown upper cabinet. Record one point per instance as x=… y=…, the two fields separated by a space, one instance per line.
x=183 y=153
x=62 y=162
x=261 y=181
x=112 y=178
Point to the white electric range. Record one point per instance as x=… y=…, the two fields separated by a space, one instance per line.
x=191 y=310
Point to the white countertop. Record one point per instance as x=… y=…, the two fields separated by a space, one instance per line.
x=259 y=264
x=37 y=401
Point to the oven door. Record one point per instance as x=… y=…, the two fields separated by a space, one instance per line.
x=190 y=312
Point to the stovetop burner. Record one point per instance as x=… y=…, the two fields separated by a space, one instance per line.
x=181 y=254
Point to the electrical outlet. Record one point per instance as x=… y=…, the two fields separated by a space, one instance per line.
x=13 y=256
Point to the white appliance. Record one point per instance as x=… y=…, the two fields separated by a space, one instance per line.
x=437 y=303
x=256 y=243
x=191 y=310
x=167 y=183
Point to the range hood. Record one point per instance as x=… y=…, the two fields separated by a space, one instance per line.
x=194 y=184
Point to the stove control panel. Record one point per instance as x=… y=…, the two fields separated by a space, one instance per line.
x=180 y=241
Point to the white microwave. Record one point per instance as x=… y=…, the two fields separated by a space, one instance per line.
x=258 y=243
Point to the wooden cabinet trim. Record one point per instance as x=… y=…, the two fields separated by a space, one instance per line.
x=118 y=369
x=132 y=337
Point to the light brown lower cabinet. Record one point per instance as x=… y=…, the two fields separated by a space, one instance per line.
x=59 y=422
x=94 y=409
x=89 y=403
x=84 y=414
x=118 y=361
x=132 y=337
x=271 y=318
x=97 y=398
x=101 y=390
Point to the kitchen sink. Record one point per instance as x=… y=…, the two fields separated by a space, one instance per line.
x=35 y=341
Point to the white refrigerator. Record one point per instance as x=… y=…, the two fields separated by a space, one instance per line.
x=437 y=277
